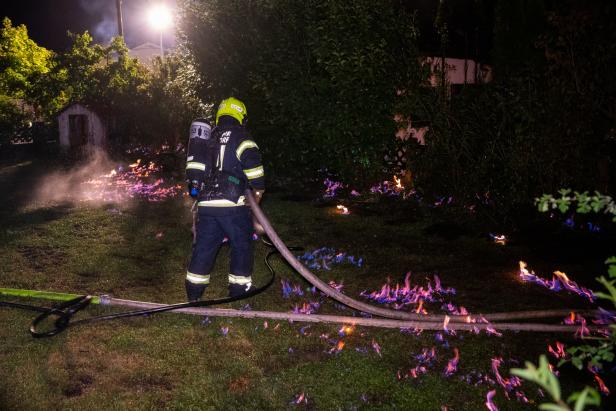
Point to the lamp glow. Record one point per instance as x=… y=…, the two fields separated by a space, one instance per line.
x=160 y=17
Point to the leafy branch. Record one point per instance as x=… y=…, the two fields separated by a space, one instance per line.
x=585 y=203
x=544 y=377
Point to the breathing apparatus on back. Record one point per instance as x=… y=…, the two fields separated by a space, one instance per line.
x=199 y=141
x=216 y=182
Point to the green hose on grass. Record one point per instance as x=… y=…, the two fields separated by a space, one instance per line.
x=44 y=295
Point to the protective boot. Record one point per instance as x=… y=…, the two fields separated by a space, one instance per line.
x=194 y=291
x=238 y=290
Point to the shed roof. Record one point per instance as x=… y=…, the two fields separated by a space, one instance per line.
x=93 y=107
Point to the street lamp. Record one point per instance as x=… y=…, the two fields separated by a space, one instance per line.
x=160 y=18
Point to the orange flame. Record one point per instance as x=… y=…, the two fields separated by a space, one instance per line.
x=398 y=183
x=563 y=277
x=452 y=364
x=420 y=309
x=602 y=385
x=343 y=209
x=346 y=330
x=523 y=270
x=500 y=239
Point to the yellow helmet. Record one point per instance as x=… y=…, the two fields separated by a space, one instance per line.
x=232 y=107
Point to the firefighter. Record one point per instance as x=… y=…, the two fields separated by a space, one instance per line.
x=221 y=163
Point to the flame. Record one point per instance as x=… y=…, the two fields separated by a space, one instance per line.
x=301 y=398
x=570 y=319
x=445 y=322
x=343 y=209
x=404 y=295
x=559 y=278
x=452 y=364
x=492 y=331
x=509 y=384
x=346 y=330
x=523 y=271
x=307 y=308
x=489 y=403
x=426 y=356
x=376 y=347
x=559 y=351
x=398 y=184
x=602 y=385
x=499 y=238
x=573 y=319
x=337 y=348
x=420 y=309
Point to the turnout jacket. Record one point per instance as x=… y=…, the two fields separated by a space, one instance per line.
x=228 y=151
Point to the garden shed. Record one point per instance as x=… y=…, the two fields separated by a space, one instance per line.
x=79 y=125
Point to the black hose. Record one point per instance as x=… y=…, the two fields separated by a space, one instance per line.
x=65 y=311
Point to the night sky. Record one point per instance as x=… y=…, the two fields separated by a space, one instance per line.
x=49 y=20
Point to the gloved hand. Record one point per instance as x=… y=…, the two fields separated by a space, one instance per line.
x=258 y=195
x=257 y=226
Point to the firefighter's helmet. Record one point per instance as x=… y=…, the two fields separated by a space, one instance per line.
x=234 y=108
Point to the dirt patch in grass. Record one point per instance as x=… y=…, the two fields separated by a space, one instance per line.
x=239 y=384
x=79 y=367
x=41 y=257
x=146 y=382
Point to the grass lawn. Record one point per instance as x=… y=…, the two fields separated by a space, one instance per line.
x=139 y=250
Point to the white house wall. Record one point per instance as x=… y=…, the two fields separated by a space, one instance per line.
x=459 y=71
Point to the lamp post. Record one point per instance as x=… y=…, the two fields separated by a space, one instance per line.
x=119 y=11
x=160 y=18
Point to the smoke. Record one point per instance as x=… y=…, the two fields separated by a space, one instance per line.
x=103 y=13
x=86 y=182
x=105 y=27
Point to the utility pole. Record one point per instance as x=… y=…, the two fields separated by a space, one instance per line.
x=119 y=9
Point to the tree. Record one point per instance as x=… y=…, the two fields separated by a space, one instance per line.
x=20 y=60
x=321 y=79
x=172 y=96
x=12 y=118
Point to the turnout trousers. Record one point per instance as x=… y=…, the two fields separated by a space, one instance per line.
x=213 y=226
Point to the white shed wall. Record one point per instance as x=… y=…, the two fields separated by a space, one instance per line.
x=96 y=132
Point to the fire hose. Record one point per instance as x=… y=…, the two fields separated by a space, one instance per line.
x=71 y=304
